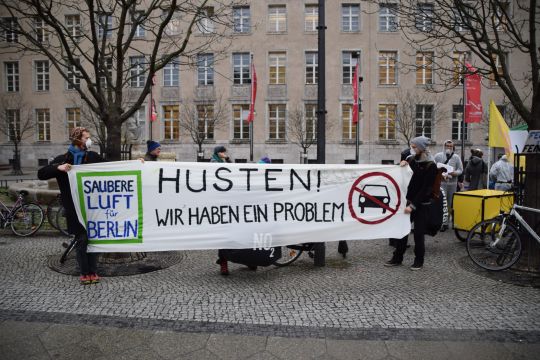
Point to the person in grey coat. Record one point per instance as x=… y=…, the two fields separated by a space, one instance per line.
x=475 y=170
x=449 y=157
x=502 y=173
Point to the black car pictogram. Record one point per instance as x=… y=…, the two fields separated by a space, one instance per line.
x=379 y=192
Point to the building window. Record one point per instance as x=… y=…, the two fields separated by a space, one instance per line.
x=310 y=111
x=277 y=18
x=11 y=69
x=171 y=122
x=14 y=124
x=73 y=25
x=42 y=75
x=241 y=68
x=424 y=120
x=174 y=25
x=43 y=118
x=387 y=68
x=424 y=68
x=138 y=23
x=107 y=72
x=457 y=121
x=40 y=30
x=74 y=76
x=311 y=17
x=349 y=60
x=350 y=17
x=424 y=17
x=499 y=67
x=104 y=25
x=73 y=118
x=136 y=71
x=277 y=62
x=205 y=117
x=501 y=15
x=242 y=19
x=388 y=18
x=460 y=23
x=9 y=29
x=277 y=118
x=387 y=121
x=205 y=69
x=171 y=73
x=312 y=68
x=348 y=128
x=241 y=127
x=205 y=23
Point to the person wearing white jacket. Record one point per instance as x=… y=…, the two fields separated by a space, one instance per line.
x=449 y=183
x=502 y=173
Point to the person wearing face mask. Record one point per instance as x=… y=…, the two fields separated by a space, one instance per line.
x=419 y=194
x=78 y=153
x=449 y=183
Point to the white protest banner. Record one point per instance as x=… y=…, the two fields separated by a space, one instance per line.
x=131 y=206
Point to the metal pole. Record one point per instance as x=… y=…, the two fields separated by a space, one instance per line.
x=251 y=141
x=150 y=110
x=463 y=115
x=320 y=248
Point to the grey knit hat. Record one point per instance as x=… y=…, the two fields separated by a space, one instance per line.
x=421 y=142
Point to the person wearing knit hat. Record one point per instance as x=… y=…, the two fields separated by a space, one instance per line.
x=265 y=160
x=421 y=142
x=153 y=150
x=220 y=155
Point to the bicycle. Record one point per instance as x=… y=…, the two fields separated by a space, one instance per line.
x=495 y=244
x=24 y=218
x=291 y=253
x=72 y=244
x=56 y=215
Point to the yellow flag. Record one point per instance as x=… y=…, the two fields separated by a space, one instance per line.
x=499 y=133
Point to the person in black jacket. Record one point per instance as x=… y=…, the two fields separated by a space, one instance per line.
x=58 y=168
x=419 y=194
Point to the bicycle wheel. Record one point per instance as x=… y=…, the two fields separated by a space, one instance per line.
x=288 y=256
x=61 y=221
x=68 y=250
x=27 y=219
x=491 y=250
x=461 y=234
x=52 y=210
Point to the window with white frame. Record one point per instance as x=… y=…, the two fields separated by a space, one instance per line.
x=40 y=31
x=241 y=68
x=423 y=120
x=205 y=121
x=277 y=67
x=387 y=67
x=137 y=71
x=501 y=15
x=350 y=17
x=387 y=121
x=74 y=76
x=424 y=17
x=171 y=122
x=171 y=73
x=460 y=19
x=277 y=18
x=242 y=19
x=43 y=121
x=388 y=18
x=457 y=122
x=174 y=26
x=138 y=23
x=42 y=75
x=348 y=63
x=73 y=118
x=9 y=27
x=104 y=25
x=73 y=25
x=310 y=115
x=205 y=25
x=424 y=68
x=13 y=117
x=11 y=71
x=106 y=72
x=311 y=17
x=240 y=125
x=312 y=67
x=348 y=127
x=277 y=121
x=205 y=69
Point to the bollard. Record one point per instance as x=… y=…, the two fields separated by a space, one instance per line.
x=319 y=254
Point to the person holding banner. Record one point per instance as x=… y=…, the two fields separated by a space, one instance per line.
x=419 y=193
x=153 y=151
x=77 y=154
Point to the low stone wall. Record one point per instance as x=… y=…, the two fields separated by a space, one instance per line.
x=40 y=191
x=164 y=156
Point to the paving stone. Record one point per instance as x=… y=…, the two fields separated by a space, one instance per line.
x=524 y=351
x=350 y=349
x=19 y=349
x=203 y=354
x=235 y=347
x=17 y=330
x=405 y=350
x=170 y=345
x=296 y=348
x=62 y=336
x=479 y=351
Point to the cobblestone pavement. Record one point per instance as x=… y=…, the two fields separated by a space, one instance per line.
x=352 y=308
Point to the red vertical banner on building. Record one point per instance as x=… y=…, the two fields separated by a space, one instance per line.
x=355 y=94
x=153 y=115
x=473 y=104
x=251 y=115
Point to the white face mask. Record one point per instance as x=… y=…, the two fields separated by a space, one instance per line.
x=448 y=151
x=88 y=143
x=413 y=151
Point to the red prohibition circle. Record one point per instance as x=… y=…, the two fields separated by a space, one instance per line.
x=355 y=189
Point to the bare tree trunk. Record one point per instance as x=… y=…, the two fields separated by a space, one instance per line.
x=114 y=140
x=199 y=151
x=16 y=161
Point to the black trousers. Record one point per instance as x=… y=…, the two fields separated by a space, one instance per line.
x=87 y=261
x=419 y=219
